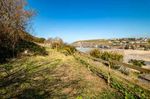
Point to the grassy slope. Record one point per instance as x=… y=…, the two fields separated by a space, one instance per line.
x=130 y=85
x=53 y=76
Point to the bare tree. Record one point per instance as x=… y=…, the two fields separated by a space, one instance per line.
x=14 y=21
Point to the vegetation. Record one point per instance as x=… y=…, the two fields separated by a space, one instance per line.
x=139 y=63
x=128 y=87
x=59 y=45
x=61 y=73
x=52 y=76
x=111 y=95
x=14 y=24
x=68 y=49
x=31 y=48
x=31 y=38
x=59 y=76
x=124 y=70
x=108 y=56
x=149 y=41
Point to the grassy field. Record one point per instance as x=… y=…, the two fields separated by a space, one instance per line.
x=58 y=76
x=53 y=76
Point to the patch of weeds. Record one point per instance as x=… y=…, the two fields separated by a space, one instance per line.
x=111 y=95
x=129 y=91
x=32 y=94
x=79 y=97
x=31 y=47
x=82 y=61
x=8 y=67
x=129 y=96
x=138 y=63
x=55 y=63
x=68 y=49
x=106 y=55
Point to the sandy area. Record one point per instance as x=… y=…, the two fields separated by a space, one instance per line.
x=137 y=54
x=134 y=54
x=128 y=54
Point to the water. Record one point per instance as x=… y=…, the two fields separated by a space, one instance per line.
x=147 y=62
x=84 y=49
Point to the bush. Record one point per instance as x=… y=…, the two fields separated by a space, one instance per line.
x=56 y=45
x=7 y=52
x=95 y=53
x=31 y=47
x=139 y=63
x=68 y=49
x=59 y=45
x=106 y=55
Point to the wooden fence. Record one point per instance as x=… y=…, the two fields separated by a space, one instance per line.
x=143 y=70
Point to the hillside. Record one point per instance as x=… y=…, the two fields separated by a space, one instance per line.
x=29 y=37
x=59 y=76
x=52 y=76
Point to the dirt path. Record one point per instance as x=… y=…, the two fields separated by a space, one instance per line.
x=78 y=81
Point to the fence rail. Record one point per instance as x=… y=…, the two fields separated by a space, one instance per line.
x=143 y=70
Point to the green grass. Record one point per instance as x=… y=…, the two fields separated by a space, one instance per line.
x=58 y=76
x=53 y=76
x=130 y=88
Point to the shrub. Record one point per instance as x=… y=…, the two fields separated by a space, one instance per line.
x=56 y=43
x=8 y=53
x=139 y=63
x=95 y=53
x=59 y=45
x=30 y=46
x=106 y=55
x=68 y=49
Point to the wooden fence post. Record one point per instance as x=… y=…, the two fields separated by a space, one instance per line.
x=108 y=79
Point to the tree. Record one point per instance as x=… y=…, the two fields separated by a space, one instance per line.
x=14 y=21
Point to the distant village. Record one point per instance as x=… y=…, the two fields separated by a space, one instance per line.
x=123 y=43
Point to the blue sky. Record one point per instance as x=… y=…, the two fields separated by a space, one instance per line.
x=91 y=19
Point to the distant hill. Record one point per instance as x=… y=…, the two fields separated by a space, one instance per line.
x=91 y=43
x=120 y=43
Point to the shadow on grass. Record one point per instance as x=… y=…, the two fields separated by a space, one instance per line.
x=33 y=93
x=36 y=83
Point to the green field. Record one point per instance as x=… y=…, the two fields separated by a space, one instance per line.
x=58 y=76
